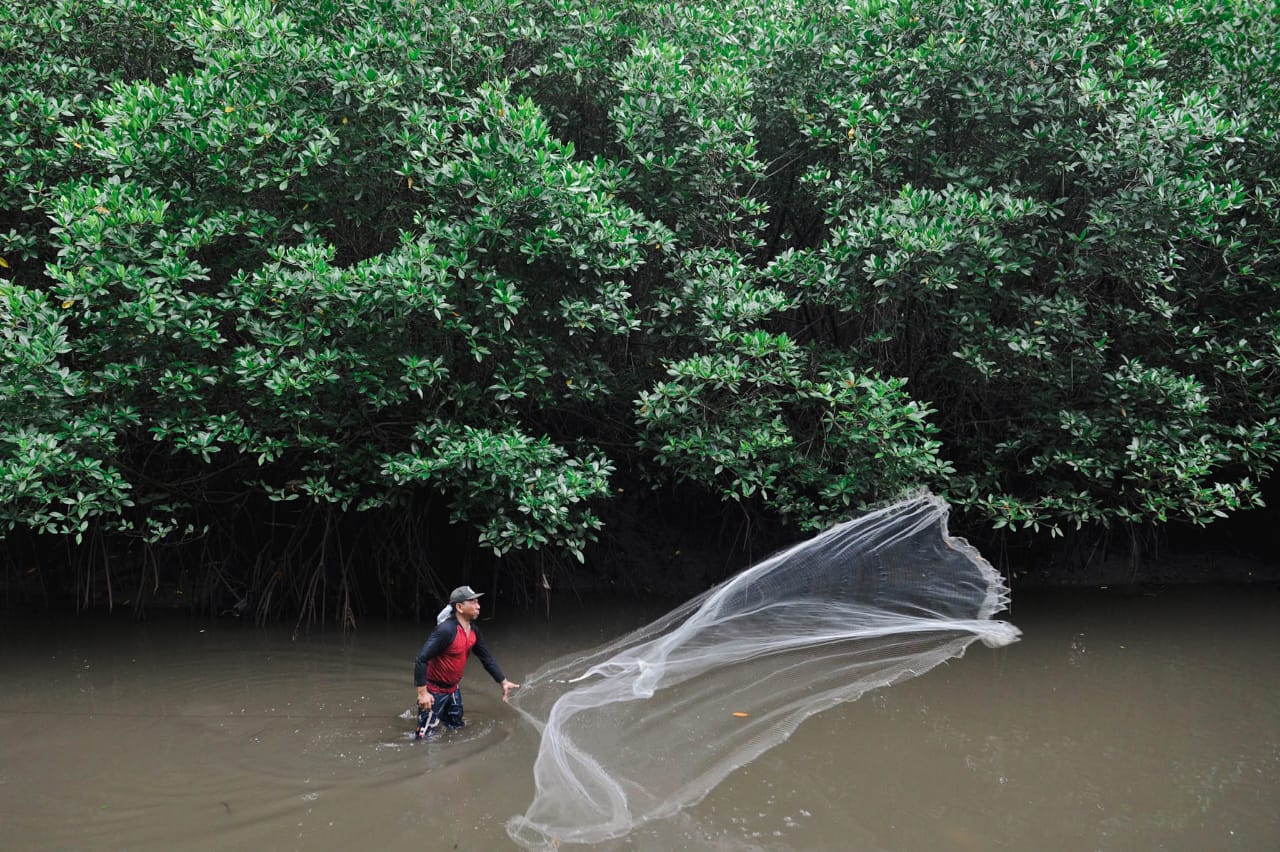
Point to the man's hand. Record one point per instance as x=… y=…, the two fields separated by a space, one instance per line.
x=507 y=686
x=424 y=699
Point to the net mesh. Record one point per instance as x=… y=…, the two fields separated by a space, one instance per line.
x=641 y=727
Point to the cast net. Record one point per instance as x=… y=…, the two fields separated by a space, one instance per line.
x=640 y=727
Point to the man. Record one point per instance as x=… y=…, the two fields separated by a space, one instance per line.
x=438 y=668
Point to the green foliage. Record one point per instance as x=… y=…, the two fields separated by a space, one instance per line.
x=749 y=420
x=803 y=255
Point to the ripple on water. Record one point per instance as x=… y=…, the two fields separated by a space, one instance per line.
x=224 y=731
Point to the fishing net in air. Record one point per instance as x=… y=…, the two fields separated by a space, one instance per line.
x=647 y=724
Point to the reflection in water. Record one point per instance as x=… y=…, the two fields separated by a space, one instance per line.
x=1117 y=723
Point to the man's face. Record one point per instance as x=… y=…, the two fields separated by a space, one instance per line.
x=470 y=609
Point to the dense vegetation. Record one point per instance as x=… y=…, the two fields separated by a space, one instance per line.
x=796 y=255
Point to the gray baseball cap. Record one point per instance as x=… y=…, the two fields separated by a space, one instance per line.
x=463 y=593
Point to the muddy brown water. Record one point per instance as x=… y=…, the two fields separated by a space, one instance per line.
x=1119 y=722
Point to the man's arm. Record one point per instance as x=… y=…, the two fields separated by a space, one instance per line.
x=481 y=650
x=436 y=643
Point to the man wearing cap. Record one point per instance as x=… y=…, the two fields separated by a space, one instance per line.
x=438 y=669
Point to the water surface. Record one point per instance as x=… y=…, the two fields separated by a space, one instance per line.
x=1119 y=722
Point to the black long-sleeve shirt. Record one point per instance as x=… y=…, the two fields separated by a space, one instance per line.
x=444 y=656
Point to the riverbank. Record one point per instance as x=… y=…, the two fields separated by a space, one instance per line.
x=659 y=549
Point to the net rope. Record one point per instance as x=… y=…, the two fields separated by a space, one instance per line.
x=647 y=724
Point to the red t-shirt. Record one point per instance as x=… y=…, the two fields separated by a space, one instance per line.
x=445 y=670
x=440 y=663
